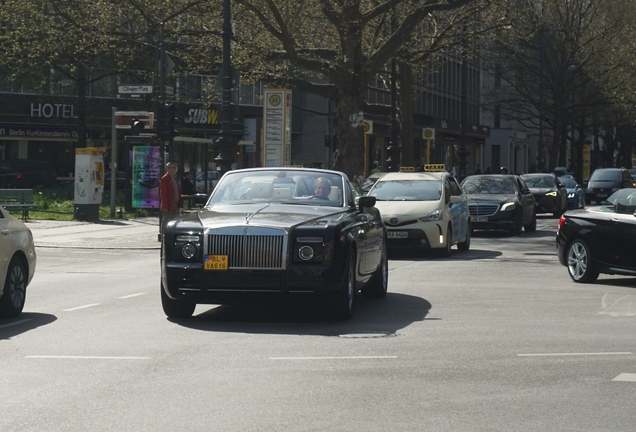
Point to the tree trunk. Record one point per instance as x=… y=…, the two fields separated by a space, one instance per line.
x=406 y=114
x=349 y=157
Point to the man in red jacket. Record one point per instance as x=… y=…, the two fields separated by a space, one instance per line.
x=170 y=195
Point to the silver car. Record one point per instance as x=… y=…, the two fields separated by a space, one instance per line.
x=17 y=264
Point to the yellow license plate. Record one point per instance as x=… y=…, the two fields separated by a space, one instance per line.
x=215 y=262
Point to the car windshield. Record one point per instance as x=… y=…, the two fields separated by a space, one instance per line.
x=489 y=185
x=539 y=181
x=568 y=182
x=606 y=175
x=622 y=201
x=407 y=190
x=284 y=186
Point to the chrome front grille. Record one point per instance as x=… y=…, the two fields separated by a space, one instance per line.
x=248 y=251
x=483 y=209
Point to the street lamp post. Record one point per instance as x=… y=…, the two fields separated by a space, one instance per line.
x=225 y=143
x=463 y=153
x=541 y=158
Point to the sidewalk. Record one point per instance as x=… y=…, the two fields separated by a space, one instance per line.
x=103 y=234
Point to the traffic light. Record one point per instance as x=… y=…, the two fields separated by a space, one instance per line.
x=393 y=157
x=165 y=124
x=136 y=126
x=328 y=141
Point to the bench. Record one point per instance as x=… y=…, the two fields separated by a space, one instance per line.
x=18 y=200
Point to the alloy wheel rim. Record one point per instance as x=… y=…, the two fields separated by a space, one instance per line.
x=577 y=260
x=17 y=286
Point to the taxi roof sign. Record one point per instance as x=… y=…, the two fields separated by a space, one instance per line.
x=434 y=167
x=407 y=169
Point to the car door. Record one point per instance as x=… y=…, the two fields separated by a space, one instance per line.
x=622 y=240
x=527 y=201
x=562 y=193
x=459 y=211
x=368 y=237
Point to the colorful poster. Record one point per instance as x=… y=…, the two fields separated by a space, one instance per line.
x=146 y=175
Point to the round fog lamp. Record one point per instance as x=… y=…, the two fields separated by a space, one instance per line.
x=188 y=251
x=306 y=253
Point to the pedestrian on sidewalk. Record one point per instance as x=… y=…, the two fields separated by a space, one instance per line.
x=169 y=195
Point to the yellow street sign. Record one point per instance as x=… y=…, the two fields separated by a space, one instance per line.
x=428 y=133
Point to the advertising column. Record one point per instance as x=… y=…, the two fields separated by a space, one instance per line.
x=89 y=182
x=276 y=150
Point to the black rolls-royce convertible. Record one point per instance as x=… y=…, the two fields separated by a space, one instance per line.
x=600 y=240
x=276 y=234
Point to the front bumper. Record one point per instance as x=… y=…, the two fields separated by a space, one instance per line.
x=547 y=204
x=430 y=235
x=297 y=284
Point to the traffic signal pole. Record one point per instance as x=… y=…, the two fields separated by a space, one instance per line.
x=225 y=143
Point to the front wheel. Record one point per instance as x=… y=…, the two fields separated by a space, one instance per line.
x=579 y=262
x=14 y=294
x=176 y=308
x=343 y=307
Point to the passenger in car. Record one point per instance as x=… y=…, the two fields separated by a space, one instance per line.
x=322 y=187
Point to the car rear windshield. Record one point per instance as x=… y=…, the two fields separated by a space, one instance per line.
x=407 y=190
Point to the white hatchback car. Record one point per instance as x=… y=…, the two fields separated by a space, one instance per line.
x=423 y=210
x=17 y=264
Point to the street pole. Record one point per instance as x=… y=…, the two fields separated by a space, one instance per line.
x=225 y=143
x=463 y=153
x=541 y=159
x=113 y=162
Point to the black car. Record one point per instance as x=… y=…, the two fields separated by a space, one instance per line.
x=500 y=201
x=9 y=178
x=120 y=180
x=606 y=181
x=550 y=194
x=32 y=173
x=265 y=234
x=600 y=240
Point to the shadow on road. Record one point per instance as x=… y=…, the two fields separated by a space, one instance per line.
x=25 y=322
x=386 y=316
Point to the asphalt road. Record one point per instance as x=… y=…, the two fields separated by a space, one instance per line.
x=497 y=338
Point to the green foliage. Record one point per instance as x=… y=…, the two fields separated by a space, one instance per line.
x=58 y=203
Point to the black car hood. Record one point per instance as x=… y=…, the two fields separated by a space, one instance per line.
x=269 y=215
x=490 y=198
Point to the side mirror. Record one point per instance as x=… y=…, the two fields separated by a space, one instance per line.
x=366 y=201
x=455 y=199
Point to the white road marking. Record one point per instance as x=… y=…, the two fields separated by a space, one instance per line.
x=132 y=295
x=333 y=358
x=630 y=377
x=15 y=323
x=573 y=354
x=81 y=307
x=87 y=357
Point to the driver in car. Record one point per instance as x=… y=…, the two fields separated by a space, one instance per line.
x=322 y=187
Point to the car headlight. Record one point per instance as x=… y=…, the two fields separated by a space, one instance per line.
x=551 y=194
x=188 y=251
x=312 y=249
x=306 y=253
x=435 y=215
x=571 y=195
x=508 y=206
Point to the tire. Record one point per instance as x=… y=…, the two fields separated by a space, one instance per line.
x=588 y=200
x=446 y=251
x=465 y=245
x=579 y=262
x=532 y=226
x=176 y=308
x=14 y=294
x=343 y=306
x=379 y=283
x=582 y=202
